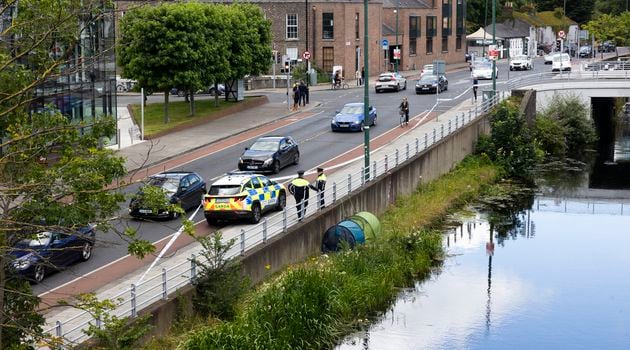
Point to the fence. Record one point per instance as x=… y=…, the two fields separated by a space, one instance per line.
x=159 y=286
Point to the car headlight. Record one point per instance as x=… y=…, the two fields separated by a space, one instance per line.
x=356 y=122
x=240 y=160
x=332 y=121
x=268 y=161
x=22 y=264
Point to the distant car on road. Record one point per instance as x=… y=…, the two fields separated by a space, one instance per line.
x=561 y=62
x=243 y=195
x=585 y=52
x=521 y=62
x=549 y=57
x=426 y=69
x=270 y=153
x=390 y=81
x=183 y=188
x=430 y=83
x=47 y=251
x=483 y=70
x=350 y=118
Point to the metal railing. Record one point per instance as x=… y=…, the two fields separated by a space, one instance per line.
x=554 y=77
x=160 y=285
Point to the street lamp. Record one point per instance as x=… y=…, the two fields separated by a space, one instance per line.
x=494 y=42
x=396 y=59
x=366 y=94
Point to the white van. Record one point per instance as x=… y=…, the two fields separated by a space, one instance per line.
x=561 y=62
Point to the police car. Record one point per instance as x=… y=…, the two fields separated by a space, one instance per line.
x=242 y=194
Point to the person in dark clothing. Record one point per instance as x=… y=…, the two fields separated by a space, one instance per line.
x=362 y=75
x=404 y=108
x=302 y=89
x=299 y=189
x=296 y=97
x=320 y=186
x=475 y=84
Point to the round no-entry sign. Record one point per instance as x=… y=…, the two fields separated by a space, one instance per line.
x=306 y=55
x=561 y=34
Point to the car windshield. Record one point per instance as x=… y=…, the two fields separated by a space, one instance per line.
x=357 y=109
x=169 y=184
x=40 y=239
x=265 y=145
x=224 y=190
x=484 y=65
x=427 y=67
x=429 y=77
x=385 y=77
x=560 y=58
x=520 y=58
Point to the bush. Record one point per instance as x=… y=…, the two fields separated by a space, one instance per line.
x=549 y=135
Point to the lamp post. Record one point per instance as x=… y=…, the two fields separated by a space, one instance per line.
x=494 y=42
x=396 y=59
x=307 y=61
x=366 y=93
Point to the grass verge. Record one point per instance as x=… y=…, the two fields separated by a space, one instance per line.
x=315 y=304
x=179 y=114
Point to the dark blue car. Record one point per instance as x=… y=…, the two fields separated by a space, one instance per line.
x=35 y=256
x=350 y=118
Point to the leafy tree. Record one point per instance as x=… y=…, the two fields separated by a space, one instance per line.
x=549 y=135
x=611 y=27
x=53 y=171
x=578 y=128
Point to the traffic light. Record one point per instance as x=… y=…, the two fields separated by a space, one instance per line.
x=558 y=45
x=287 y=64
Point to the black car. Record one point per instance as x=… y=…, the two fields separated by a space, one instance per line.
x=183 y=188
x=270 y=153
x=429 y=83
x=35 y=256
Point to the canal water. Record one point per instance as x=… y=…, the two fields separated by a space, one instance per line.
x=558 y=279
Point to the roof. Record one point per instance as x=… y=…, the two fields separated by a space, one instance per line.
x=511 y=28
x=234 y=178
x=479 y=35
x=409 y=4
x=544 y=18
x=354 y=104
x=172 y=174
x=271 y=138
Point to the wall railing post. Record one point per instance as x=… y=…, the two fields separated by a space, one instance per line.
x=242 y=242
x=417 y=145
x=164 y=287
x=349 y=183
x=449 y=126
x=264 y=227
x=396 y=157
x=362 y=176
x=469 y=115
x=58 y=329
x=426 y=140
x=434 y=135
x=407 y=151
x=374 y=170
x=386 y=163
x=193 y=268
x=442 y=131
x=133 y=301
x=284 y=220
x=334 y=192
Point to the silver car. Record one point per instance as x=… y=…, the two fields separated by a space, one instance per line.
x=390 y=81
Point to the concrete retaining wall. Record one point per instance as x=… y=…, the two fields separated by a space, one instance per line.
x=304 y=240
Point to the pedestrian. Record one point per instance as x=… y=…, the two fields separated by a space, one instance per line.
x=302 y=89
x=475 y=84
x=299 y=189
x=357 y=75
x=320 y=186
x=362 y=75
x=404 y=107
x=296 y=97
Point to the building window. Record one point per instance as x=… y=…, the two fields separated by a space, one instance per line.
x=414 y=26
x=356 y=26
x=292 y=53
x=413 y=46
x=328 y=31
x=459 y=26
x=446 y=17
x=429 y=45
x=458 y=42
x=328 y=58
x=431 y=26
x=444 y=44
x=292 y=26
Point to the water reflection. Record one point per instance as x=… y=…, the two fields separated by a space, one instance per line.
x=565 y=286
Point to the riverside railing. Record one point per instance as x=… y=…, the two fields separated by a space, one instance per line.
x=158 y=286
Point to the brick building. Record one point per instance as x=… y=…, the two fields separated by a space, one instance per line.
x=333 y=31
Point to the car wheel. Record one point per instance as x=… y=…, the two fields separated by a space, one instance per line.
x=362 y=126
x=374 y=121
x=377 y=91
x=296 y=159
x=86 y=252
x=282 y=201
x=173 y=215
x=256 y=213
x=405 y=85
x=276 y=166
x=212 y=221
x=397 y=87
x=40 y=273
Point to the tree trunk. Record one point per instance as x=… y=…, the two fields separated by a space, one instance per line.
x=3 y=282
x=166 y=118
x=216 y=94
x=192 y=104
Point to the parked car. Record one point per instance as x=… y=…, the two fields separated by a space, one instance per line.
x=585 y=52
x=270 y=153
x=351 y=118
x=483 y=70
x=426 y=69
x=521 y=62
x=210 y=90
x=243 y=195
x=549 y=57
x=35 y=256
x=467 y=57
x=561 y=62
x=390 y=81
x=182 y=188
x=430 y=83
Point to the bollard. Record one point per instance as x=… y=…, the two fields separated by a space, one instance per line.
x=386 y=163
x=417 y=145
x=284 y=219
x=396 y=158
x=349 y=183
x=164 y=288
x=334 y=192
x=374 y=170
x=193 y=268
x=242 y=242
x=407 y=151
x=58 y=329
x=133 y=301
x=264 y=225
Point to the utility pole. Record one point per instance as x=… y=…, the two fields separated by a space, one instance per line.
x=308 y=62
x=494 y=42
x=396 y=59
x=366 y=93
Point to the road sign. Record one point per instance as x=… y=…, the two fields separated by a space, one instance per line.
x=396 y=54
x=385 y=44
x=561 y=34
x=306 y=55
x=493 y=52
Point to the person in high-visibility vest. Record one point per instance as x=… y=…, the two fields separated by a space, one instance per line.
x=299 y=189
x=320 y=186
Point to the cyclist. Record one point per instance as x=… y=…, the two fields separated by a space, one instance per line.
x=338 y=79
x=404 y=108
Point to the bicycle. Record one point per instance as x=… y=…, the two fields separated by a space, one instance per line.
x=403 y=118
x=341 y=85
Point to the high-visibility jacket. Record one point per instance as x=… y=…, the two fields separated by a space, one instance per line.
x=320 y=184
x=299 y=189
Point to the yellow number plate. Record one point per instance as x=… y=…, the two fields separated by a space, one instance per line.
x=222 y=206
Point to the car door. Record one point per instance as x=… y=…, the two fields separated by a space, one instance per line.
x=184 y=192
x=284 y=152
x=293 y=150
x=269 y=189
x=60 y=249
x=257 y=187
x=198 y=189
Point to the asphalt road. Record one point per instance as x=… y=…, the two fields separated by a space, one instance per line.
x=317 y=144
